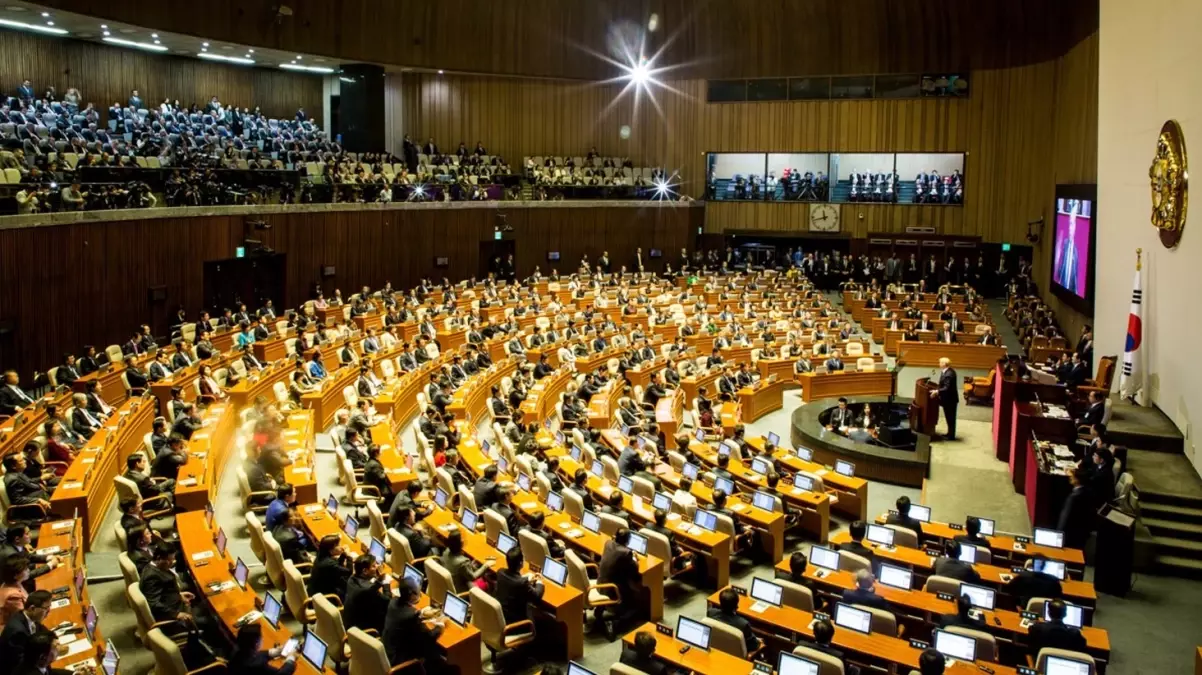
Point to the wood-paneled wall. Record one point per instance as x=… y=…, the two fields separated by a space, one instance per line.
x=703 y=38
x=1022 y=129
x=105 y=75
x=62 y=287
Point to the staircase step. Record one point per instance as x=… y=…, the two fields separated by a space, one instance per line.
x=1178 y=566
x=1184 y=514
x=1173 y=528
x=1176 y=545
x=1151 y=497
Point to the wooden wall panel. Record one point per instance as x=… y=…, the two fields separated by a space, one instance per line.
x=62 y=287
x=703 y=38
x=105 y=75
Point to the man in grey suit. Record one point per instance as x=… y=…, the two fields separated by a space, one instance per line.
x=893 y=268
x=948 y=396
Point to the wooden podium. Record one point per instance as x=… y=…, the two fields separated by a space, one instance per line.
x=924 y=409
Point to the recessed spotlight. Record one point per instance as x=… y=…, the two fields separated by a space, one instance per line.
x=49 y=23
x=298 y=57
x=104 y=26
x=154 y=35
x=45 y=14
x=203 y=49
x=440 y=72
x=128 y=31
x=251 y=51
x=205 y=44
x=106 y=33
x=15 y=8
x=137 y=45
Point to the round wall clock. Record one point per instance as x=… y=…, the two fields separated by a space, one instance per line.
x=824 y=218
x=1169 y=176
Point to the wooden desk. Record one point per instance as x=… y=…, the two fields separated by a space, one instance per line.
x=923 y=611
x=61 y=534
x=712 y=662
x=1003 y=547
x=1077 y=592
x=1027 y=419
x=88 y=486
x=208 y=450
x=692 y=383
x=714 y=546
x=852 y=492
x=28 y=423
x=602 y=405
x=641 y=376
x=980 y=357
x=461 y=645
x=228 y=606
x=730 y=416
x=781 y=368
x=669 y=413
x=591 y=545
x=880 y=325
x=877 y=650
x=763 y=397
x=543 y=397
x=109 y=377
x=816 y=386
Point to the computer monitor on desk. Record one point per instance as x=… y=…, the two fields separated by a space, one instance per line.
x=705 y=520
x=897 y=577
x=726 y=485
x=271 y=610
x=1049 y=538
x=1059 y=665
x=956 y=646
x=689 y=470
x=879 y=534
x=505 y=542
x=89 y=622
x=470 y=519
x=791 y=664
x=314 y=651
x=662 y=500
x=979 y=596
x=455 y=608
x=555 y=571
x=693 y=633
x=1054 y=568
x=920 y=513
x=766 y=591
x=824 y=557
x=638 y=543
x=625 y=484
x=591 y=522
x=555 y=501
x=240 y=573
x=853 y=618
x=986 y=526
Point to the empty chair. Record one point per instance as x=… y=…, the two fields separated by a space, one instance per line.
x=883 y=622
x=534 y=549
x=499 y=637
x=399 y=551
x=368 y=656
x=796 y=595
x=903 y=536
x=330 y=629
x=850 y=562
x=255 y=529
x=296 y=595
x=1042 y=658
x=938 y=584
x=167 y=656
x=726 y=638
x=610 y=524
x=376 y=518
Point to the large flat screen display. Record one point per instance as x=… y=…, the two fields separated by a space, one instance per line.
x=1073 y=231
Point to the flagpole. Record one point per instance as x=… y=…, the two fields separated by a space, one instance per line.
x=1139 y=263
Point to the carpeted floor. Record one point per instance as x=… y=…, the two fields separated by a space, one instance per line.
x=1152 y=631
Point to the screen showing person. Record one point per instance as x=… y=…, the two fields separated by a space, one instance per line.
x=555 y=501
x=1049 y=538
x=693 y=632
x=455 y=608
x=377 y=550
x=856 y=619
x=556 y=571
x=440 y=498
x=1070 y=266
x=897 y=577
x=351 y=527
x=956 y=646
x=271 y=610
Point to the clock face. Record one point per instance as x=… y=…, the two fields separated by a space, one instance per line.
x=824 y=218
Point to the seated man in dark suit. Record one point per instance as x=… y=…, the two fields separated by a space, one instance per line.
x=1054 y=633
x=619 y=567
x=864 y=593
x=1029 y=584
x=137 y=472
x=961 y=617
x=294 y=545
x=1095 y=412
x=21 y=488
x=857 y=531
x=902 y=517
x=952 y=567
x=579 y=487
x=367 y=595
x=21 y=626
x=824 y=632
x=727 y=612
x=420 y=543
x=972 y=533
x=12 y=396
x=485 y=490
x=641 y=655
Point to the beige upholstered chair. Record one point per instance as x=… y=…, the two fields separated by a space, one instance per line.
x=499 y=637
x=170 y=661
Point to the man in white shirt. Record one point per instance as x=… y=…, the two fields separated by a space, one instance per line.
x=683 y=498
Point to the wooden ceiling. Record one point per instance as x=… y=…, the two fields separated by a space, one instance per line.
x=704 y=38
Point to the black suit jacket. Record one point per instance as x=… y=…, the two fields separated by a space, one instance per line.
x=947 y=388
x=1054 y=634
x=405 y=637
x=738 y=623
x=957 y=569
x=17 y=631
x=907 y=522
x=328 y=577
x=11 y=401
x=162 y=593
x=22 y=489
x=366 y=603
x=1077 y=517
x=1031 y=584
x=485 y=492
x=1094 y=413
x=856 y=596
x=650 y=666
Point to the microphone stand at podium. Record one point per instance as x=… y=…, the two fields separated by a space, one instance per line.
x=924 y=409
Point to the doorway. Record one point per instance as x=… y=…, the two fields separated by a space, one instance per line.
x=249 y=280
x=493 y=252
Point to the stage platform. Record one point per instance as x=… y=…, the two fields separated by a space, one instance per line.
x=907 y=467
x=1144 y=428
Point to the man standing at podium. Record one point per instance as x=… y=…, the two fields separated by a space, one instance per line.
x=947 y=396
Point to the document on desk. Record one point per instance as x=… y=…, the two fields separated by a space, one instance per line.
x=78 y=647
x=62 y=525
x=63 y=602
x=203 y=555
x=188 y=482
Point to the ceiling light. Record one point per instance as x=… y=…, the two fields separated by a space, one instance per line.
x=347 y=79
x=298 y=57
x=251 y=51
x=44 y=14
x=136 y=45
x=440 y=72
x=49 y=23
x=228 y=59
x=15 y=8
x=311 y=69
x=154 y=35
x=106 y=33
x=206 y=44
x=104 y=26
x=34 y=27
